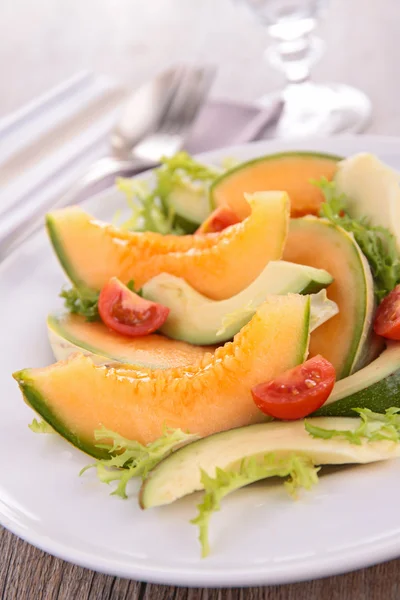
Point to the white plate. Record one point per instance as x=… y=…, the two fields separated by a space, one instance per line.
x=260 y=537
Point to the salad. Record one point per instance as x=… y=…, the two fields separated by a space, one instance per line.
x=242 y=323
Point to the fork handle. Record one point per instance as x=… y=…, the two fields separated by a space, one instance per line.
x=99 y=176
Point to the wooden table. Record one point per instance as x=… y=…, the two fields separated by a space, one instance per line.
x=44 y=42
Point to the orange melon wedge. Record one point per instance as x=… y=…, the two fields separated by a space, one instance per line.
x=72 y=333
x=228 y=267
x=289 y=171
x=91 y=252
x=83 y=243
x=345 y=340
x=76 y=397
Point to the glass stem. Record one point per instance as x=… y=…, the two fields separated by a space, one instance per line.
x=295 y=57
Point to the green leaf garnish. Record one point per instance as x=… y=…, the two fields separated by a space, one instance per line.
x=373 y=427
x=131 y=286
x=299 y=471
x=150 y=208
x=40 y=426
x=129 y=458
x=378 y=244
x=76 y=303
x=229 y=162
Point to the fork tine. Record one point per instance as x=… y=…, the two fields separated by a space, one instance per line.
x=191 y=91
x=177 y=77
x=202 y=80
x=192 y=85
x=173 y=115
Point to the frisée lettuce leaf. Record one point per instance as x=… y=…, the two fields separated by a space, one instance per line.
x=129 y=458
x=40 y=426
x=373 y=427
x=378 y=244
x=298 y=471
x=151 y=210
x=76 y=303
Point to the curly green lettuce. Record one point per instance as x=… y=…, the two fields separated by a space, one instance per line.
x=298 y=472
x=373 y=427
x=378 y=244
x=149 y=204
x=40 y=426
x=75 y=302
x=129 y=458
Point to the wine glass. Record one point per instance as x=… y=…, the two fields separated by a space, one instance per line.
x=308 y=108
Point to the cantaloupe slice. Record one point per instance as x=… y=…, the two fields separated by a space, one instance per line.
x=289 y=171
x=76 y=397
x=219 y=271
x=344 y=340
x=72 y=333
x=81 y=242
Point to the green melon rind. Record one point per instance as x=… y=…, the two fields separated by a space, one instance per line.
x=51 y=226
x=362 y=348
x=63 y=344
x=357 y=353
x=35 y=399
x=268 y=157
x=60 y=335
x=306 y=331
x=39 y=404
x=376 y=386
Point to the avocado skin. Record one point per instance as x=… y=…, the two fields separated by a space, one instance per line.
x=378 y=397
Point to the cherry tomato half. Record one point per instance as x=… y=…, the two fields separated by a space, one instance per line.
x=387 y=319
x=298 y=392
x=127 y=313
x=221 y=218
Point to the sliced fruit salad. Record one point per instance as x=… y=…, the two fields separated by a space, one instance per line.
x=243 y=323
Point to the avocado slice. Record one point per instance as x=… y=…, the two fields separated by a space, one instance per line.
x=376 y=386
x=372 y=190
x=190 y=201
x=198 y=320
x=180 y=473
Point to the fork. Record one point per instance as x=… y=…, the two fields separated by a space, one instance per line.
x=179 y=94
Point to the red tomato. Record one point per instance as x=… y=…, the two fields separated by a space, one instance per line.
x=387 y=319
x=298 y=392
x=221 y=218
x=127 y=313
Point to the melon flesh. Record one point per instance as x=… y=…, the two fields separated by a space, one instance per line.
x=289 y=171
x=83 y=243
x=76 y=397
x=219 y=271
x=344 y=340
x=230 y=266
x=72 y=333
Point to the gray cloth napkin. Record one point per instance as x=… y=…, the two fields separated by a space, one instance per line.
x=49 y=144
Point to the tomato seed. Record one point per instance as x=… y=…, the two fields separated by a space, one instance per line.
x=310 y=383
x=315 y=375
